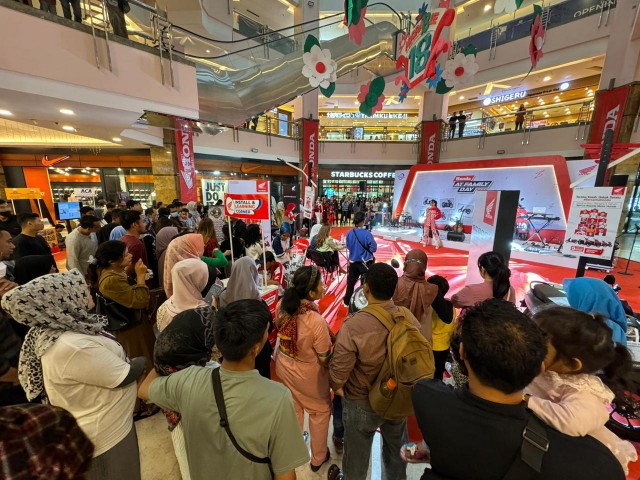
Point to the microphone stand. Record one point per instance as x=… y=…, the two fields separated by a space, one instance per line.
x=633 y=244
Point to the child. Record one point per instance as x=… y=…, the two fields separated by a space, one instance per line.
x=568 y=395
x=187 y=223
x=441 y=331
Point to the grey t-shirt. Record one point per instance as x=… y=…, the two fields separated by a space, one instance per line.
x=261 y=417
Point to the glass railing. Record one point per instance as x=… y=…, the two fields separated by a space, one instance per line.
x=548 y=116
x=350 y=133
x=517 y=26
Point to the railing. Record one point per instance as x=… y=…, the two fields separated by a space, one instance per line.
x=486 y=36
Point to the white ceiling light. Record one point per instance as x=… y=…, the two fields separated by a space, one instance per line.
x=564 y=85
x=68 y=128
x=546 y=79
x=66 y=111
x=216 y=172
x=487 y=7
x=208 y=51
x=461 y=97
x=486 y=102
x=116 y=139
x=5 y=112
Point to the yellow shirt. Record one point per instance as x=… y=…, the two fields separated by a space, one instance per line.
x=442 y=332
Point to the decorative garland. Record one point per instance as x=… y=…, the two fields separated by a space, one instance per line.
x=371 y=96
x=507 y=6
x=459 y=71
x=538 y=34
x=319 y=68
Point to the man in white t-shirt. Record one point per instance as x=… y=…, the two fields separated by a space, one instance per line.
x=82 y=243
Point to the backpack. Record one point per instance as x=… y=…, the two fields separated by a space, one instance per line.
x=409 y=359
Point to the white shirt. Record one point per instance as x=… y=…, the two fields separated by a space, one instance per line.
x=79 y=248
x=81 y=374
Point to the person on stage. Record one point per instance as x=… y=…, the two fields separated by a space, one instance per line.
x=433 y=214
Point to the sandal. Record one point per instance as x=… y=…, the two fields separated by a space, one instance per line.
x=146 y=410
x=334 y=473
x=315 y=468
x=338 y=443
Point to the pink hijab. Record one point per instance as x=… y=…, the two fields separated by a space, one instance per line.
x=189 y=277
x=181 y=248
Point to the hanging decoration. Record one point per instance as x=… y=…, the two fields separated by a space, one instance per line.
x=419 y=50
x=319 y=68
x=459 y=71
x=355 y=11
x=404 y=91
x=537 y=38
x=357 y=30
x=506 y=6
x=371 y=96
x=433 y=82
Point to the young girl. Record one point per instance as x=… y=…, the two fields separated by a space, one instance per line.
x=568 y=395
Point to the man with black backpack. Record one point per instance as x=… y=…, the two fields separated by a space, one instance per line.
x=362 y=246
x=379 y=355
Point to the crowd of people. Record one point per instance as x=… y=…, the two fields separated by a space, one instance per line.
x=340 y=210
x=162 y=309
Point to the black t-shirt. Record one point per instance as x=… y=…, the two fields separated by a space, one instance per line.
x=105 y=232
x=471 y=438
x=26 y=245
x=11 y=225
x=462 y=118
x=238 y=248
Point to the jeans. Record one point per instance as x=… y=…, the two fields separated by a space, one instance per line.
x=336 y=410
x=440 y=360
x=360 y=424
x=66 y=9
x=452 y=130
x=356 y=269
x=460 y=130
x=47 y=7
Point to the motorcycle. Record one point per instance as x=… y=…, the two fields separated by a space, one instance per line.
x=624 y=418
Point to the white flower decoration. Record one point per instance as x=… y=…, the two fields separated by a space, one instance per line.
x=459 y=71
x=507 y=6
x=318 y=67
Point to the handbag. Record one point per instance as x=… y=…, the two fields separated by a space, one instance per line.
x=224 y=422
x=119 y=317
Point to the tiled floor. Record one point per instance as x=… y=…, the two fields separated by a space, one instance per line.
x=158 y=461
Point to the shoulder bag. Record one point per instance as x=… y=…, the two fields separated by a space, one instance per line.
x=373 y=257
x=119 y=316
x=224 y=422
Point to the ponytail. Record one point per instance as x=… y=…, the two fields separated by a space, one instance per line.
x=305 y=280
x=496 y=268
x=616 y=373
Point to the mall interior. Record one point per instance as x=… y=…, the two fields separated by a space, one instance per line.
x=380 y=107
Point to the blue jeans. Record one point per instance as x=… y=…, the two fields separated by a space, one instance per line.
x=336 y=411
x=360 y=425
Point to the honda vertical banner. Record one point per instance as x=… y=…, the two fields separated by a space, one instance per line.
x=430 y=146
x=309 y=160
x=610 y=105
x=186 y=162
x=593 y=221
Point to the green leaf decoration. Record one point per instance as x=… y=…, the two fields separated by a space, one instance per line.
x=518 y=3
x=365 y=109
x=354 y=11
x=327 y=92
x=377 y=86
x=442 y=88
x=537 y=10
x=470 y=50
x=309 y=42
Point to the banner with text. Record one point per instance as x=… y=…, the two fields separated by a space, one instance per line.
x=259 y=188
x=610 y=105
x=186 y=162
x=430 y=146
x=213 y=191
x=291 y=200
x=593 y=221
x=309 y=160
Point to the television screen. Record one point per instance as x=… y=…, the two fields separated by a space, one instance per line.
x=68 y=210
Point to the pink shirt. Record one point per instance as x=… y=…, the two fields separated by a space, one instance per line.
x=313 y=337
x=478 y=292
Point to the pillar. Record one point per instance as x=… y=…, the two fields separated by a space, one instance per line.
x=306 y=106
x=164 y=168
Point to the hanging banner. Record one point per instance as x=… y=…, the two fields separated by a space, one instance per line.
x=186 y=162
x=252 y=207
x=259 y=188
x=309 y=160
x=213 y=191
x=610 y=105
x=22 y=193
x=593 y=221
x=307 y=209
x=430 y=151
x=398 y=185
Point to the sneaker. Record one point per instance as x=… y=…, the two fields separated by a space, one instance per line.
x=345 y=304
x=338 y=443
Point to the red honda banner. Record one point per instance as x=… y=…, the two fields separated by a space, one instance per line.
x=490 y=207
x=430 y=148
x=610 y=105
x=186 y=162
x=247 y=205
x=309 y=160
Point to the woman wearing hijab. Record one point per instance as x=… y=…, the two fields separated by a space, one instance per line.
x=188 y=340
x=303 y=357
x=592 y=295
x=189 y=279
x=163 y=238
x=282 y=244
x=192 y=207
x=68 y=358
x=33 y=266
x=413 y=291
x=183 y=247
x=243 y=285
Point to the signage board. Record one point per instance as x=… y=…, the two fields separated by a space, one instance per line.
x=504 y=97
x=186 y=162
x=260 y=188
x=593 y=221
x=309 y=161
x=247 y=206
x=84 y=192
x=307 y=209
x=213 y=191
x=400 y=116
x=610 y=106
x=23 y=193
x=430 y=151
x=361 y=175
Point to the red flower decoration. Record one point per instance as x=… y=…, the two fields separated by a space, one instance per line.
x=537 y=41
x=356 y=31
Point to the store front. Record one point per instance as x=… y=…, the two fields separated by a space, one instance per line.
x=562 y=104
x=351 y=125
x=372 y=183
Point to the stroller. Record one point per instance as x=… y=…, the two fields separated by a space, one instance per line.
x=624 y=420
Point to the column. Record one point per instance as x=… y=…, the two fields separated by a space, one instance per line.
x=306 y=106
x=165 y=170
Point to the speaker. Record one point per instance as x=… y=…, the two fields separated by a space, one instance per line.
x=455 y=236
x=618 y=180
x=363 y=186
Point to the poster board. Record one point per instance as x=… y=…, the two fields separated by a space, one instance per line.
x=23 y=193
x=213 y=190
x=593 y=221
x=254 y=187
